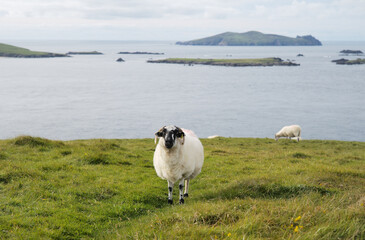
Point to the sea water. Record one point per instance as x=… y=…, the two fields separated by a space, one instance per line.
x=93 y=96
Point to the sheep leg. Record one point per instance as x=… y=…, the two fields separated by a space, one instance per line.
x=170 y=186
x=181 y=188
x=186 y=194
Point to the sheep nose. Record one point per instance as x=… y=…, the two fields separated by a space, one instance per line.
x=169 y=144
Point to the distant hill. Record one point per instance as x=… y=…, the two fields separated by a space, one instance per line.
x=18 y=52
x=253 y=38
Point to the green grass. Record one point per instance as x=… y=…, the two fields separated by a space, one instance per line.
x=241 y=60
x=13 y=51
x=252 y=188
x=356 y=61
x=227 y=62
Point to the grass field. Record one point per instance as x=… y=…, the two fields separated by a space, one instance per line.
x=248 y=189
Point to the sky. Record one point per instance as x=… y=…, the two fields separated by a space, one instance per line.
x=179 y=20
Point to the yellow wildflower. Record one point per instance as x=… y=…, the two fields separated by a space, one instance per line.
x=297 y=219
x=229 y=234
x=296 y=229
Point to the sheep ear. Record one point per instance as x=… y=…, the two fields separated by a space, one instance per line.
x=181 y=134
x=156 y=139
x=159 y=133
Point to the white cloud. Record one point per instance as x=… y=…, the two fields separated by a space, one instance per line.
x=327 y=19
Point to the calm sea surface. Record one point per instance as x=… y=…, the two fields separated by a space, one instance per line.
x=96 y=97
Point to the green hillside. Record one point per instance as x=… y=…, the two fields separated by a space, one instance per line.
x=253 y=38
x=18 y=52
x=248 y=188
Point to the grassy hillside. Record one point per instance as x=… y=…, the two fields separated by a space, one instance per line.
x=253 y=38
x=252 y=188
x=13 y=51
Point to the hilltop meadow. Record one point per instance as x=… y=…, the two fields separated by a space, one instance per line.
x=248 y=189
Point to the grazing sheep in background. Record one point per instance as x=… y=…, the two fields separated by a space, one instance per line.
x=289 y=132
x=179 y=156
x=214 y=136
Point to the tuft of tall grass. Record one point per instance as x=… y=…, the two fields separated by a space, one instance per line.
x=36 y=142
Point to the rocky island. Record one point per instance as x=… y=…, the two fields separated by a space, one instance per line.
x=253 y=38
x=344 y=61
x=85 y=53
x=142 y=53
x=352 y=52
x=18 y=52
x=228 y=62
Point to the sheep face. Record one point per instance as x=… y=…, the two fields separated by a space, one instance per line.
x=170 y=136
x=276 y=137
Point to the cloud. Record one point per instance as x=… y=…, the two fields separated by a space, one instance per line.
x=3 y=13
x=324 y=19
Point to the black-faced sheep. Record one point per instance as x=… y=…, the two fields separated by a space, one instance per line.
x=178 y=157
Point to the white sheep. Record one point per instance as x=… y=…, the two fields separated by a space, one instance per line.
x=214 y=136
x=289 y=132
x=179 y=156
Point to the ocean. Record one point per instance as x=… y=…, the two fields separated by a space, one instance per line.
x=93 y=96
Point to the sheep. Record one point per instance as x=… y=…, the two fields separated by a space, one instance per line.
x=178 y=157
x=289 y=132
x=214 y=136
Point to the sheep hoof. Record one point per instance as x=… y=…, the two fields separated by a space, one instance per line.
x=169 y=201
x=186 y=195
x=182 y=201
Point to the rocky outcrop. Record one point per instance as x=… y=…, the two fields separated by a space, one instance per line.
x=120 y=60
x=352 y=52
x=142 y=53
x=85 y=53
x=344 y=61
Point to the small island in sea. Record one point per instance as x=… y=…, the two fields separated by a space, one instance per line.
x=253 y=38
x=85 y=53
x=265 y=62
x=142 y=53
x=344 y=61
x=18 y=52
x=351 y=52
